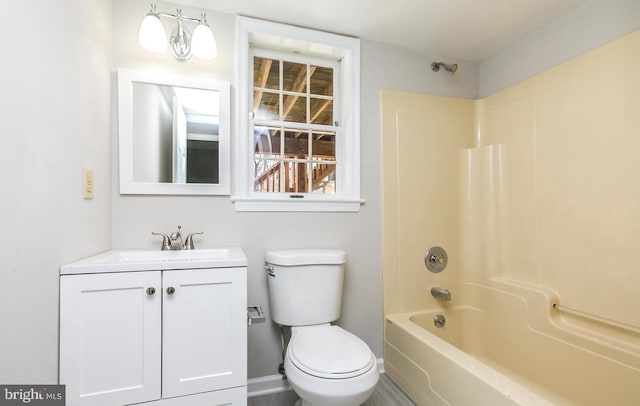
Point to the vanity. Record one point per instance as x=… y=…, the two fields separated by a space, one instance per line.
x=155 y=327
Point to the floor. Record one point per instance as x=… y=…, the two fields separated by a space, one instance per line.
x=385 y=394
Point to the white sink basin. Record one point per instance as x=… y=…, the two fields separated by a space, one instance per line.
x=144 y=260
x=193 y=255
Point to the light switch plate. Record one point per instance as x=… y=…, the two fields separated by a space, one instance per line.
x=87 y=184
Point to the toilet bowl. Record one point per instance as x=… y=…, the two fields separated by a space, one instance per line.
x=326 y=365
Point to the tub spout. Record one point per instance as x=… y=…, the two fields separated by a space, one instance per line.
x=441 y=293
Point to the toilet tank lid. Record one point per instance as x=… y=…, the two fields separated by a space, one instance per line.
x=306 y=257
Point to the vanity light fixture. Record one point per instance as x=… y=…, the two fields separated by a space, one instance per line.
x=152 y=36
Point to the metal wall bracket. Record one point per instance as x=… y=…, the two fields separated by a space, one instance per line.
x=255 y=315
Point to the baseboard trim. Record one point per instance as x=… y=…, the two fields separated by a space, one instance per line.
x=266 y=385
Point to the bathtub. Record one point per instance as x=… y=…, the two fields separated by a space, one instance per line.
x=506 y=344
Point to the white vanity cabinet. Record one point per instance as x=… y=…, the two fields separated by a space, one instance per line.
x=166 y=337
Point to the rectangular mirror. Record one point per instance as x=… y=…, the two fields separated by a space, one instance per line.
x=173 y=133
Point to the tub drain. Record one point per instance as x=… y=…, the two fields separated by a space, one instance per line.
x=439 y=320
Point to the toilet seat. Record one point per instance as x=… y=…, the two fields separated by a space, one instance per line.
x=329 y=352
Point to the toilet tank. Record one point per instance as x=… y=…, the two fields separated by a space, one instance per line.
x=305 y=285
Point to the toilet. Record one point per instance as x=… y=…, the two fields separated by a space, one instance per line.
x=325 y=364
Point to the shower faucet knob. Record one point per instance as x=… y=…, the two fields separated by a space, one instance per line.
x=436 y=259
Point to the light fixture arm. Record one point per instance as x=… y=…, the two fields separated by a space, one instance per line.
x=181 y=17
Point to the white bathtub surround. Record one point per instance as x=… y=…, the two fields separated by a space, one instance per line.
x=532 y=192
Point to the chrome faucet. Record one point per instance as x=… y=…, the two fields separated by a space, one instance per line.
x=175 y=242
x=441 y=293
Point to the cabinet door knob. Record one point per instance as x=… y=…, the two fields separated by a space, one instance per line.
x=151 y=291
x=171 y=290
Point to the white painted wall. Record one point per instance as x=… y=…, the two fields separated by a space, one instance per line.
x=593 y=23
x=389 y=67
x=55 y=114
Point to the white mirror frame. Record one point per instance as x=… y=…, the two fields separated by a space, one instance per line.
x=126 y=79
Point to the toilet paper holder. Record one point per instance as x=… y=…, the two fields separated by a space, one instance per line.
x=255 y=314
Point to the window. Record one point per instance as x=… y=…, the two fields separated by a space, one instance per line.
x=293 y=125
x=297 y=147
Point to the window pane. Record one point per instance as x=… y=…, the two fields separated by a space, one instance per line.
x=266 y=73
x=324 y=178
x=266 y=142
x=295 y=109
x=267 y=171
x=294 y=76
x=296 y=144
x=324 y=146
x=266 y=105
x=321 y=111
x=295 y=174
x=267 y=177
x=321 y=81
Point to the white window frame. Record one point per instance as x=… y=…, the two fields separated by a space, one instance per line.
x=284 y=38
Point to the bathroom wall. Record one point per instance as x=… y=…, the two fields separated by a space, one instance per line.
x=358 y=233
x=55 y=111
x=566 y=145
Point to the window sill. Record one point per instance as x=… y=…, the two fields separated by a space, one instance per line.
x=296 y=205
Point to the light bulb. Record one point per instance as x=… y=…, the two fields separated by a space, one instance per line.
x=151 y=35
x=203 y=43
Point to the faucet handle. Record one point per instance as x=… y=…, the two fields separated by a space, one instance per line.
x=176 y=234
x=188 y=243
x=166 y=242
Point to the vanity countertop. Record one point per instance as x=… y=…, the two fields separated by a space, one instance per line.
x=154 y=260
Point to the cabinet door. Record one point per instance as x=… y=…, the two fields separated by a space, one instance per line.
x=204 y=330
x=110 y=338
